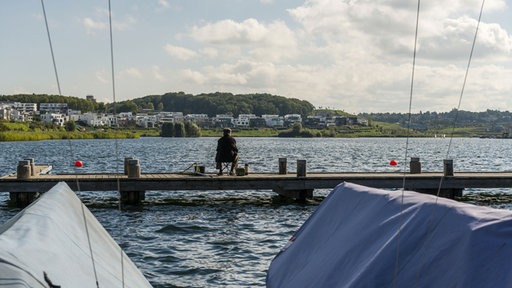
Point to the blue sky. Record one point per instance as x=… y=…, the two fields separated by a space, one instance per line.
x=353 y=55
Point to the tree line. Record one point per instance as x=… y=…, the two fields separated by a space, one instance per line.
x=74 y=103
x=225 y=103
x=453 y=118
x=211 y=104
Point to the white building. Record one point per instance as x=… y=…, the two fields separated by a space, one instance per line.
x=224 y=120
x=290 y=119
x=74 y=115
x=95 y=119
x=5 y=111
x=146 y=121
x=243 y=120
x=55 y=118
x=25 y=108
x=23 y=111
x=273 y=120
x=61 y=108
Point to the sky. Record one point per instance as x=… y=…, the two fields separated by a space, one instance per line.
x=352 y=55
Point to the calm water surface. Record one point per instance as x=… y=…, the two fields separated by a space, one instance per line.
x=228 y=238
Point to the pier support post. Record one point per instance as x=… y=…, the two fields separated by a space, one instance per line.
x=415 y=165
x=282 y=166
x=299 y=195
x=133 y=168
x=450 y=193
x=448 y=167
x=301 y=168
x=126 y=160
x=303 y=194
x=132 y=198
x=448 y=171
x=23 y=171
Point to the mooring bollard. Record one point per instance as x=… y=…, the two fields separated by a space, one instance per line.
x=126 y=164
x=133 y=168
x=301 y=168
x=448 y=167
x=24 y=170
x=132 y=199
x=415 y=165
x=246 y=167
x=282 y=165
x=32 y=166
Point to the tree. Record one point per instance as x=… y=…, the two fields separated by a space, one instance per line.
x=192 y=130
x=297 y=127
x=179 y=129
x=70 y=126
x=167 y=130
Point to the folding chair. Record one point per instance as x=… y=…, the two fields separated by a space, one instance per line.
x=224 y=164
x=224 y=167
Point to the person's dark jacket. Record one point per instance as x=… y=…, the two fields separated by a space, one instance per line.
x=226 y=149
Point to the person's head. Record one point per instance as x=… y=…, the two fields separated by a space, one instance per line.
x=227 y=131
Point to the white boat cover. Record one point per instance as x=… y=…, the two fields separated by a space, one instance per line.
x=50 y=236
x=366 y=237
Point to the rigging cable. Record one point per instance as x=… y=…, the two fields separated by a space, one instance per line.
x=429 y=221
x=462 y=90
x=115 y=130
x=430 y=228
x=407 y=143
x=70 y=145
x=58 y=83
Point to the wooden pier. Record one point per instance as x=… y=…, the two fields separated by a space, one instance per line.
x=133 y=184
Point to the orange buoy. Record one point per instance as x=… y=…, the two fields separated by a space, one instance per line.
x=393 y=163
x=78 y=163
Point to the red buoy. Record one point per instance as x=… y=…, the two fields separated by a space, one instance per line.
x=78 y=163
x=393 y=163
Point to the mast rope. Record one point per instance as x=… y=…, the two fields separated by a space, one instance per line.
x=70 y=144
x=407 y=142
x=72 y=154
x=462 y=89
x=470 y=58
x=122 y=227
x=429 y=221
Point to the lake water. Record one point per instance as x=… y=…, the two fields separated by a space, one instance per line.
x=228 y=238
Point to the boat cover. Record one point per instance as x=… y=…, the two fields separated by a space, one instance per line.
x=366 y=237
x=50 y=237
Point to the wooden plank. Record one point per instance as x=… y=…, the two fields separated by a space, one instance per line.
x=161 y=181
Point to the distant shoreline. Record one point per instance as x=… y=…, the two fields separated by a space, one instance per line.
x=11 y=136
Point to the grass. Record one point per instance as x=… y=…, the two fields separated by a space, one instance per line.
x=10 y=131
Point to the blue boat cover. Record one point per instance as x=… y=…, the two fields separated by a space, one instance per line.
x=366 y=237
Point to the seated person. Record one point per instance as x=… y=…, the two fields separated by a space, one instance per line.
x=226 y=151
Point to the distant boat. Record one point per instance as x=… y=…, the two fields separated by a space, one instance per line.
x=57 y=242
x=366 y=237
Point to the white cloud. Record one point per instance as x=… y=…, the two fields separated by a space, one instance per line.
x=131 y=72
x=100 y=22
x=157 y=74
x=92 y=25
x=210 y=52
x=272 y=41
x=181 y=53
x=164 y=4
x=102 y=77
x=354 y=55
x=194 y=76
